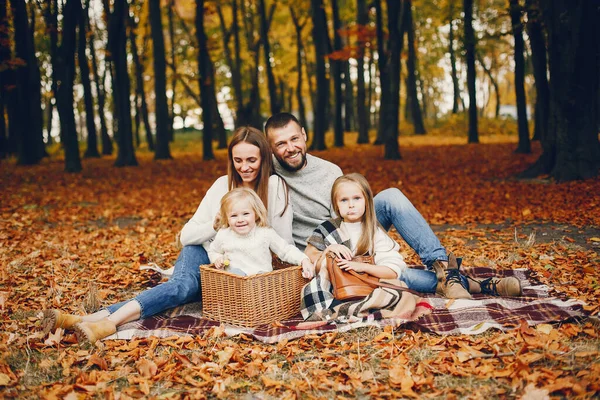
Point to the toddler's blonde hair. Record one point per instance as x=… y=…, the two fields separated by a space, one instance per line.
x=241 y=194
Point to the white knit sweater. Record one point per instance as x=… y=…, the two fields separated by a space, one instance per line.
x=250 y=253
x=199 y=229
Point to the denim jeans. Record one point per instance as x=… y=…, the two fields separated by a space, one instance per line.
x=423 y=281
x=393 y=208
x=183 y=287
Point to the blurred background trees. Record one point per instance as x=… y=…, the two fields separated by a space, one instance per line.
x=93 y=74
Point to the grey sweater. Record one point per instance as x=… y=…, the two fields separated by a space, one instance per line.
x=310 y=194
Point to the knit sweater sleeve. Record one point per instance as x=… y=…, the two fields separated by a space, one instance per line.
x=199 y=228
x=280 y=216
x=215 y=250
x=387 y=253
x=285 y=251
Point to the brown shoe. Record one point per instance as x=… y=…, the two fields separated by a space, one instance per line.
x=449 y=282
x=509 y=287
x=54 y=319
x=91 y=332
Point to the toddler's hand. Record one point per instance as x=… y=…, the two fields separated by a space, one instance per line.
x=308 y=269
x=219 y=263
x=339 y=250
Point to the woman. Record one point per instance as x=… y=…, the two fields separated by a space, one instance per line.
x=250 y=165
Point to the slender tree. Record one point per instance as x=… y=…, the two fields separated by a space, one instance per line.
x=455 y=88
x=264 y=31
x=471 y=74
x=107 y=146
x=411 y=63
x=540 y=68
x=382 y=64
x=571 y=149
x=515 y=11
x=117 y=40
x=322 y=46
x=161 y=108
x=204 y=80
x=336 y=72
x=4 y=78
x=299 y=26
x=362 y=19
x=170 y=12
x=84 y=70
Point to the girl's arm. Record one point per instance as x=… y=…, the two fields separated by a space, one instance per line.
x=379 y=271
x=290 y=253
x=215 y=250
x=280 y=220
x=199 y=228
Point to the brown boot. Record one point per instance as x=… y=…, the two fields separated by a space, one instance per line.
x=91 y=332
x=510 y=287
x=54 y=319
x=449 y=282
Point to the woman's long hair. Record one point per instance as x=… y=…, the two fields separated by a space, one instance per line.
x=254 y=137
x=366 y=243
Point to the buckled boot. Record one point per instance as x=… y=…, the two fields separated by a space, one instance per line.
x=91 y=332
x=510 y=286
x=449 y=282
x=54 y=319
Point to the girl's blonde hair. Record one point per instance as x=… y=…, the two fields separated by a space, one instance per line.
x=240 y=194
x=366 y=242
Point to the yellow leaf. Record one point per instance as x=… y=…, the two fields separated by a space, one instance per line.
x=526 y=212
x=147 y=368
x=225 y=355
x=594 y=239
x=544 y=328
x=4 y=380
x=533 y=393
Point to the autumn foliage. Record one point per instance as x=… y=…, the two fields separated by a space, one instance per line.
x=76 y=242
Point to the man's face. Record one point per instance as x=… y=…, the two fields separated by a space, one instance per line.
x=289 y=146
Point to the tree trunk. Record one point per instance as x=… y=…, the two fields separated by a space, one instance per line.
x=264 y=31
x=299 y=48
x=4 y=75
x=540 y=70
x=362 y=19
x=455 y=87
x=390 y=120
x=321 y=40
x=488 y=72
x=415 y=109
x=205 y=77
x=84 y=69
x=107 y=146
x=571 y=149
x=471 y=73
x=382 y=64
x=28 y=108
x=117 y=41
x=65 y=72
x=236 y=71
x=336 y=72
x=524 y=145
x=161 y=108
x=174 y=74
x=139 y=85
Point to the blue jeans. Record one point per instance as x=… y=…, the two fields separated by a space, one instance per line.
x=393 y=208
x=423 y=280
x=183 y=287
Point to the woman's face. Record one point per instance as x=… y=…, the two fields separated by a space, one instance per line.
x=246 y=161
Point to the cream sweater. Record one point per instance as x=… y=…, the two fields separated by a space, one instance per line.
x=250 y=253
x=199 y=229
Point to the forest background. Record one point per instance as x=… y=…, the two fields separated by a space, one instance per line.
x=476 y=110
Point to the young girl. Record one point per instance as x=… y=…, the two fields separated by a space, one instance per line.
x=242 y=244
x=357 y=232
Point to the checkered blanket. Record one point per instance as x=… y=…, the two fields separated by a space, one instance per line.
x=447 y=317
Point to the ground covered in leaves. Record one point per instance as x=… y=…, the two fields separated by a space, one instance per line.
x=75 y=242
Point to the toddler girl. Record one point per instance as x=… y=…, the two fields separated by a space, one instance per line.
x=357 y=232
x=244 y=240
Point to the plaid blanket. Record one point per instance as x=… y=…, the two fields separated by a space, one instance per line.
x=446 y=318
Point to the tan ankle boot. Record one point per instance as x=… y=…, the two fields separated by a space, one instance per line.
x=510 y=286
x=449 y=282
x=91 y=332
x=54 y=319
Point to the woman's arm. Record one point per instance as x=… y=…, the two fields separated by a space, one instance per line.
x=199 y=228
x=280 y=220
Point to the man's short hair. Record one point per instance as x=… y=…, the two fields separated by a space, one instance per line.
x=280 y=120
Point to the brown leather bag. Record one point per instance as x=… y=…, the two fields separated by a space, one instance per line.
x=350 y=285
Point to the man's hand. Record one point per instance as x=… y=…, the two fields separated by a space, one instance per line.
x=340 y=251
x=308 y=269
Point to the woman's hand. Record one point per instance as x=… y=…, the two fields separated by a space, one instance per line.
x=340 y=251
x=347 y=265
x=308 y=269
x=217 y=222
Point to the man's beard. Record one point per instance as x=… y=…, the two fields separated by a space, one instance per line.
x=291 y=168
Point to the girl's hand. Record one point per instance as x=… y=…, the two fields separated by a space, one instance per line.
x=219 y=263
x=308 y=269
x=340 y=251
x=353 y=265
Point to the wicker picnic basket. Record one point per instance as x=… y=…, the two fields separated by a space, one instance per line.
x=251 y=301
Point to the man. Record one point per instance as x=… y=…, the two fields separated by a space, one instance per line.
x=310 y=180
